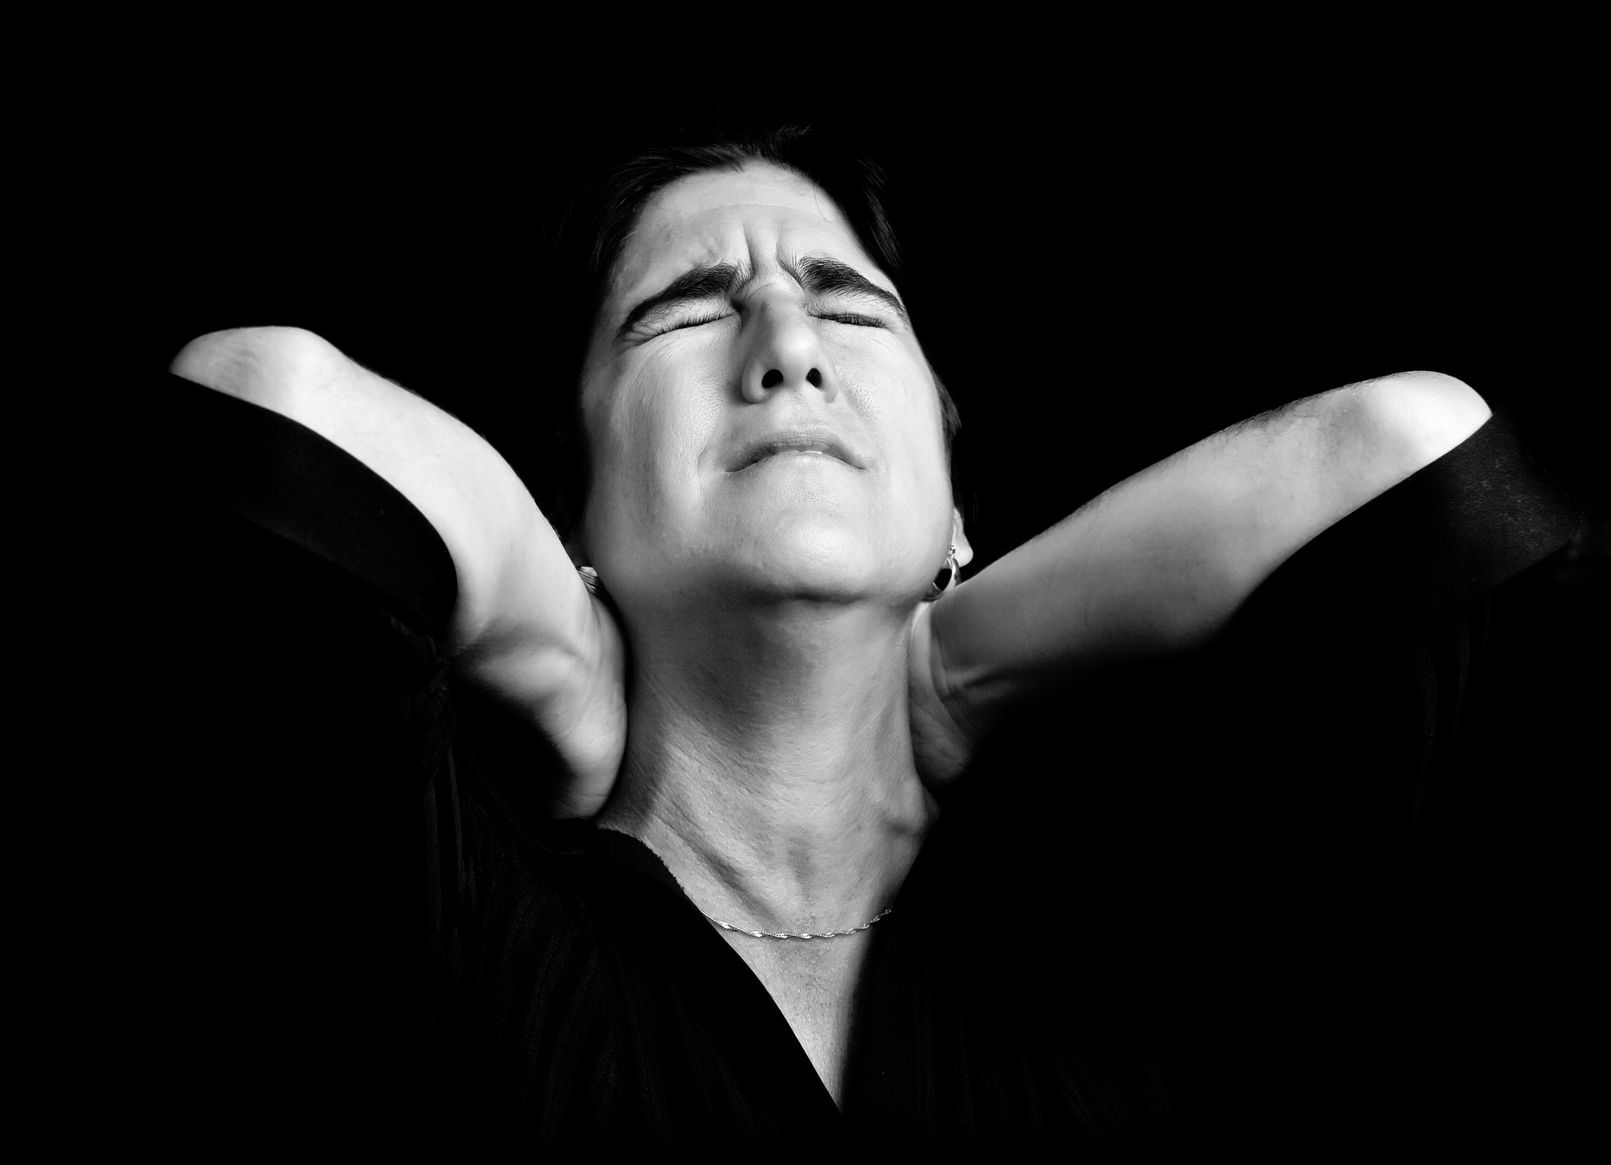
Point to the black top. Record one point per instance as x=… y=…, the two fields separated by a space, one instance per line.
x=1168 y=908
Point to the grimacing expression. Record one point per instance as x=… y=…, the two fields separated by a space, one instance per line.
x=760 y=413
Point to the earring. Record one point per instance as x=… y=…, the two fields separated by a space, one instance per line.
x=947 y=578
x=590 y=579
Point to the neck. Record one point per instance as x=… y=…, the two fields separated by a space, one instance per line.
x=769 y=763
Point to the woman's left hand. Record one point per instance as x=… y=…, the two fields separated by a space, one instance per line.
x=941 y=744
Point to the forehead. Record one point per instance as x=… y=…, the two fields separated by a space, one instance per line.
x=753 y=215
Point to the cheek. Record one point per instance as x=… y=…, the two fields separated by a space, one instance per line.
x=906 y=407
x=649 y=445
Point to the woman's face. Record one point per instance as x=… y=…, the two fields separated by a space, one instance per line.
x=763 y=422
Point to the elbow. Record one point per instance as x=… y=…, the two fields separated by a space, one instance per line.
x=1417 y=417
x=266 y=366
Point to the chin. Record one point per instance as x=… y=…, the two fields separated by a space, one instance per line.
x=792 y=553
x=824 y=569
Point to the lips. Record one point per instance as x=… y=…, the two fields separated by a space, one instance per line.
x=808 y=441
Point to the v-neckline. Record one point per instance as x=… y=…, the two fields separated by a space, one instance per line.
x=624 y=851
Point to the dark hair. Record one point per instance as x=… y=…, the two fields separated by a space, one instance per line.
x=605 y=211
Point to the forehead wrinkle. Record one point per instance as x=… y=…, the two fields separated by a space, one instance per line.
x=716 y=239
x=689 y=217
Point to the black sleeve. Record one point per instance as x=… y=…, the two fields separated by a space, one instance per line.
x=1439 y=540
x=1377 y=796
x=1326 y=842
x=1354 y=655
x=1357 y=661
x=291 y=845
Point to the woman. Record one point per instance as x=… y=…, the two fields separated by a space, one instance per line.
x=773 y=931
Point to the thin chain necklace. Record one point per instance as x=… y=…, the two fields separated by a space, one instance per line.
x=802 y=936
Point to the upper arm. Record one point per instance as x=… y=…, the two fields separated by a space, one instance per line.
x=517 y=589
x=496 y=536
x=1161 y=561
x=523 y=625
x=1246 y=499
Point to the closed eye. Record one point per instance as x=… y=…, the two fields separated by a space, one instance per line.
x=851 y=318
x=694 y=323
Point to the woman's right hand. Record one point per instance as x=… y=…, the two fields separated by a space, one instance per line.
x=524 y=626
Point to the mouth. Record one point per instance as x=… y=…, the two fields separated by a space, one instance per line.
x=804 y=442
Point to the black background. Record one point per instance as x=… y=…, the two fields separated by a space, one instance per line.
x=1112 y=254
x=1103 y=268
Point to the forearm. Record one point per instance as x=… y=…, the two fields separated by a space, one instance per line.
x=1160 y=562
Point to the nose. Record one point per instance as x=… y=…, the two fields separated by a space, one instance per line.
x=786 y=352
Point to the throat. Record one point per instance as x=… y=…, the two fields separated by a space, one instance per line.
x=772 y=772
x=794 y=701
x=804 y=830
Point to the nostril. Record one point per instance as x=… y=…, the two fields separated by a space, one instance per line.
x=814 y=378
x=772 y=379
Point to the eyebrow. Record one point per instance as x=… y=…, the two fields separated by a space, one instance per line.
x=817 y=274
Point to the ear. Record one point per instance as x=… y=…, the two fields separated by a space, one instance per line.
x=960 y=537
